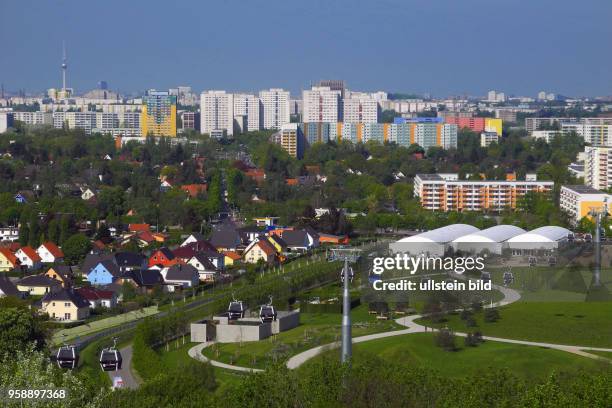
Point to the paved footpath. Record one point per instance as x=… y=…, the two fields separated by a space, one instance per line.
x=129 y=378
x=510 y=296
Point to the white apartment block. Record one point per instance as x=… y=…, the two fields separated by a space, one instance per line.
x=595 y=131
x=486 y=138
x=6 y=121
x=445 y=192
x=322 y=104
x=360 y=109
x=247 y=109
x=579 y=201
x=546 y=135
x=34 y=118
x=217 y=113
x=598 y=167
x=275 y=108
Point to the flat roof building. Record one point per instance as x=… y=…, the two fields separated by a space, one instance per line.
x=579 y=200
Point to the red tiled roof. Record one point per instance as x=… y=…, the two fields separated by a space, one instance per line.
x=194 y=189
x=139 y=227
x=30 y=253
x=291 y=181
x=53 y=249
x=232 y=255
x=9 y=256
x=95 y=294
x=266 y=247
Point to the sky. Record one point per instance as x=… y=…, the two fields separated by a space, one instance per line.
x=441 y=47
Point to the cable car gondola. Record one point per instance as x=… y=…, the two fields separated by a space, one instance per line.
x=485 y=277
x=267 y=313
x=67 y=357
x=235 y=310
x=351 y=274
x=110 y=358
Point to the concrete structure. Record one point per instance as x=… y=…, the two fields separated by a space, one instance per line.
x=360 y=109
x=190 y=121
x=598 y=167
x=533 y=124
x=476 y=124
x=246 y=108
x=486 y=138
x=291 y=139
x=432 y=243
x=34 y=118
x=491 y=240
x=223 y=330
x=158 y=117
x=445 y=192
x=596 y=131
x=6 y=121
x=579 y=200
x=322 y=104
x=546 y=135
x=217 y=113
x=275 y=108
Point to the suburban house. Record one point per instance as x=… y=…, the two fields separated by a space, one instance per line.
x=8 y=260
x=266 y=221
x=61 y=273
x=50 y=253
x=103 y=273
x=92 y=260
x=8 y=288
x=87 y=194
x=230 y=258
x=225 y=238
x=145 y=280
x=38 y=285
x=65 y=305
x=300 y=240
x=163 y=256
x=193 y=190
x=139 y=227
x=128 y=261
x=193 y=238
x=249 y=234
x=278 y=243
x=98 y=297
x=258 y=250
x=204 y=266
x=180 y=276
x=28 y=257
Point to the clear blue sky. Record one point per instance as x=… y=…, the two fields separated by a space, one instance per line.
x=439 y=46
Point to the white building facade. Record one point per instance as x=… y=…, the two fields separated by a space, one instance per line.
x=217 y=113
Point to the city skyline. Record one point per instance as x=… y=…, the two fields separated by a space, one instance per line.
x=264 y=46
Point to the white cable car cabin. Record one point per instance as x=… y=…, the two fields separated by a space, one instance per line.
x=67 y=357
x=267 y=313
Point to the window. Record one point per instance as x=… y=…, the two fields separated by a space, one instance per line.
x=67 y=316
x=67 y=304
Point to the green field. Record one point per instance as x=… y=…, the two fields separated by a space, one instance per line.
x=314 y=330
x=570 y=323
x=530 y=363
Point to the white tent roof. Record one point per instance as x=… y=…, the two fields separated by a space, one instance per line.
x=498 y=233
x=442 y=235
x=542 y=234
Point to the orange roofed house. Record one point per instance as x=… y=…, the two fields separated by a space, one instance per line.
x=260 y=250
x=193 y=190
x=50 y=253
x=8 y=260
x=163 y=256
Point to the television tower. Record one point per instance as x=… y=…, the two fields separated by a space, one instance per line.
x=64 y=67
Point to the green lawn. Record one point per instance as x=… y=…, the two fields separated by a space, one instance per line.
x=314 y=330
x=605 y=354
x=530 y=363
x=572 y=323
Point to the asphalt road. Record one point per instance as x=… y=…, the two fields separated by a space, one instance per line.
x=129 y=379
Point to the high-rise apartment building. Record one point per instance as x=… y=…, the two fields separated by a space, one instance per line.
x=247 y=109
x=291 y=138
x=596 y=131
x=445 y=192
x=6 y=121
x=275 y=108
x=217 y=113
x=158 y=116
x=476 y=124
x=34 y=118
x=598 y=167
x=322 y=104
x=359 y=109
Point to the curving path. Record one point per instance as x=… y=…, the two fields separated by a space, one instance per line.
x=130 y=380
x=510 y=296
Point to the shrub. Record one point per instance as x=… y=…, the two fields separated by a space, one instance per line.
x=445 y=339
x=491 y=315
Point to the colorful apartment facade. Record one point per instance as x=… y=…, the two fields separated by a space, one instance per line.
x=445 y=192
x=158 y=116
x=476 y=124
